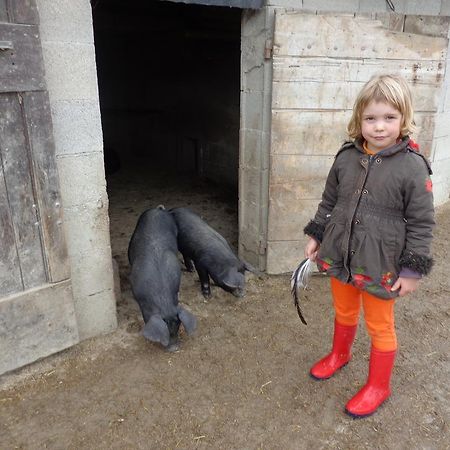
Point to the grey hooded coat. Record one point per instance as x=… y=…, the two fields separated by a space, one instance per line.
x=376 y=217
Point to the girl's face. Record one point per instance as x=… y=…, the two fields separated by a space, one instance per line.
x=380 y=125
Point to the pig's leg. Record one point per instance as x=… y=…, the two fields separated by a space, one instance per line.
x=188 y=263
x=204 y=280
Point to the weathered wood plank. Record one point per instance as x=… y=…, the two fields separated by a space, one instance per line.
x=310 y=171
x=308 y=132
x=427 y=25
x=284 y=256
x=323 y=132
x=10 y=277
x=350 y=37
x=24 y=11
x=292 y=205
x=35 y=324
x=21 y=68
x=46 y=184
x=3 y=11
x=332 y=70
x=341 y=95
x=17 y=172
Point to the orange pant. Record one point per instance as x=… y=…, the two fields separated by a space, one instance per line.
x=378 y=313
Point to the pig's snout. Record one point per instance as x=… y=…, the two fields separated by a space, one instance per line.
x=174 y=347
x=239 y=292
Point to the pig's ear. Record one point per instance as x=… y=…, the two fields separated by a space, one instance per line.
x=187 y=319
x=248 y=267
x=156 y=330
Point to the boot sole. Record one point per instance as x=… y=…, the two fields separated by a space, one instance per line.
x=362 y=416
x=327 y=378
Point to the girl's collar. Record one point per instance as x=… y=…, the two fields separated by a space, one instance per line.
x=400 y=145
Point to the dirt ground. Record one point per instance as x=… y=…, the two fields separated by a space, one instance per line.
x=241 y=382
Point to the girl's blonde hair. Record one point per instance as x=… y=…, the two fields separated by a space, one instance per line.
x=392 y=89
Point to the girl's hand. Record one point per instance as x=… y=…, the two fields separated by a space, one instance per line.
x=311 y=249
x=406 y=285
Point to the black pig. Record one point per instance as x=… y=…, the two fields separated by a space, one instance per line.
x=207 y=250
x=155 y=277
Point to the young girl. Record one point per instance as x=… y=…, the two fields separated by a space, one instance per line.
x=372 y=231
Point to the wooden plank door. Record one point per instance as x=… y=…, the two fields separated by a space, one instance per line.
x=320 y=63
x=34 y=266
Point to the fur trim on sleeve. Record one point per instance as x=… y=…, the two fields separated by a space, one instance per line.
x=314 y=230
x=417 y=263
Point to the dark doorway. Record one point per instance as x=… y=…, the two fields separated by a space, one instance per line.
x=168 y=77
x=169 y=87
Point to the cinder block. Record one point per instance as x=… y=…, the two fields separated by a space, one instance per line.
x=96 y=314
x=87 y=231
x=92 y=273
x=250 y=185
x=89 y=248
x=250 y=149
x=71 y=72
x=82 y=179
x=253 y=78
x=65 y=20
x=77 y=127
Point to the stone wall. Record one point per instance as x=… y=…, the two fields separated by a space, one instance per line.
x=69 y=58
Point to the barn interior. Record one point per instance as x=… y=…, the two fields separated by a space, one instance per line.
x=169 y=88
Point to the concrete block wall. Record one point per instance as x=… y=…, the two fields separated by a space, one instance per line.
x=440 y=154
x=69 y=59
x=256 y=92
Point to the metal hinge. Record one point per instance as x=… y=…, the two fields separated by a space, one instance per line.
x=268 y=49
x=262 y=247
x=6 y=45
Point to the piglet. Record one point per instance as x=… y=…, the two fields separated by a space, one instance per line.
x=155 y=278
x=207 y=250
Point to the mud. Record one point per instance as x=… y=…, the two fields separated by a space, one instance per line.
x=242 y=381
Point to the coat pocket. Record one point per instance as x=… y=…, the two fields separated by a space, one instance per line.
x=330 y=252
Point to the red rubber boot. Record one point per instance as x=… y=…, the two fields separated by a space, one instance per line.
x=340 y=355
x=377 y=388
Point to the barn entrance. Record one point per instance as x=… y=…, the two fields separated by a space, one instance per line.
x=169 y=88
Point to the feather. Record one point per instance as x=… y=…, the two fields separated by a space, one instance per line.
x=300 y=278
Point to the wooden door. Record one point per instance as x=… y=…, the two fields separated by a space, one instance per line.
x=320 y=62
x=35 y=293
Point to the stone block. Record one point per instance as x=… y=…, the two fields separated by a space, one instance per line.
x=96 y=314
x=87 y=230
x=66 y=21
x=82 y=179
x=73 y=63
x=77 y=127
x=252 y=110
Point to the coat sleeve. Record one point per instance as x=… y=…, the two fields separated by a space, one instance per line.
x=316 y=227
x=419 y=216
